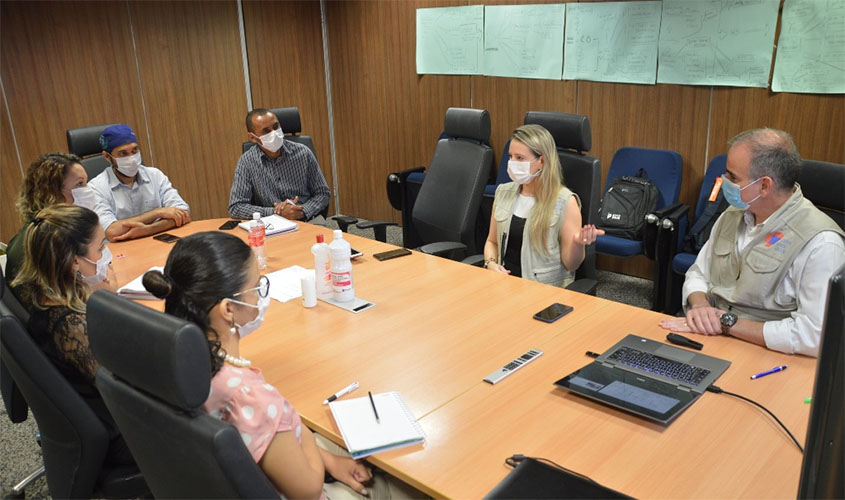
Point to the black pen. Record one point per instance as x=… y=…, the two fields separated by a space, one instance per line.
x=374 y=406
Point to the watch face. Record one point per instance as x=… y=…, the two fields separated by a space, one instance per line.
x=728 y=319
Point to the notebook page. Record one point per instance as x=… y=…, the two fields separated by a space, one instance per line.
x=360 y=430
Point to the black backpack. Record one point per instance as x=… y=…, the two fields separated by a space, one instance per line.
x=625 y=205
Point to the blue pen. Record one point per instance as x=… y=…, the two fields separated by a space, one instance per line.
x=769 y=372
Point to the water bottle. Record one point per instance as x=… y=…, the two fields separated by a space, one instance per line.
x=341 y=268
x=322 y=269
x=256 y=240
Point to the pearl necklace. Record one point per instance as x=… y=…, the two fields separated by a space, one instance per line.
x=236 y=361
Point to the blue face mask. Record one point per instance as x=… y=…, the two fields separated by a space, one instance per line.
x=732 y=193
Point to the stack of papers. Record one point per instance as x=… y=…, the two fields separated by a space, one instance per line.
x=285 y=284
x=135 y=288
x=364 y=435
x=273 y=224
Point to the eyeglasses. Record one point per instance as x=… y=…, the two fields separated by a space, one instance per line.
x=263 y=287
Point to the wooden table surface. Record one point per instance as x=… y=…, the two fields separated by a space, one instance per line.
x=439 y=327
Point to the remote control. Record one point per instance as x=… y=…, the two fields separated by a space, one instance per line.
x=498 y=375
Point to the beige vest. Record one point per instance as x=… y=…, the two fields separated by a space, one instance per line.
x=546 y=268
x=745 y=282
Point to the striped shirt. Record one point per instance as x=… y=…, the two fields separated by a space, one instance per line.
x=260 y=182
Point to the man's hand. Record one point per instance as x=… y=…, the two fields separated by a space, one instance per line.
x=130 y=230
x=350 y=473
x=289 y=209
x=179 y=216
x=704 y=320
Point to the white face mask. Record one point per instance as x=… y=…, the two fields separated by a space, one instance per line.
x=84 y=197
x=129 y=166
x=272 y=141
x=102 y=268
x=520 y=171
x=251 y=326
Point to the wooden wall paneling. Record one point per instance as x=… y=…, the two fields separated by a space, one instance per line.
x=816 y=121
x=10 y=178
x=285 y=49
x=192 y=72
x=386 y=117
x=651 y=116
x=67 y=65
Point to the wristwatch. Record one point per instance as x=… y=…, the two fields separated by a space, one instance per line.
x=728 y=320
x=488 y=261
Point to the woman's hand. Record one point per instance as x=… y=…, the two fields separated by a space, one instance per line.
x=587 y=235
x=492 y=266
x=350 y=472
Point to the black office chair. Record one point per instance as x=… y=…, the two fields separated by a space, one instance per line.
x=85 y=143
x=74 y=441
x=823 y=183
x=446 y=207
x=292 y=125
x=154 y=378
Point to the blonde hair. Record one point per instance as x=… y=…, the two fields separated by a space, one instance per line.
x=42 y=184
x=56 y=236
x=547 y=185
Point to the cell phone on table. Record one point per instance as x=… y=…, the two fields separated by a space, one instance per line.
x=166 y=237
x=229 y=224
x=392 y=254
x=553 y=313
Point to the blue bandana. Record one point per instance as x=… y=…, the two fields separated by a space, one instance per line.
x=116 y=136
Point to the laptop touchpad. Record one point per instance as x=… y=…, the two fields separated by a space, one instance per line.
x=675 y=353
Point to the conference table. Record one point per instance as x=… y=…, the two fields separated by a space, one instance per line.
x=439 y=327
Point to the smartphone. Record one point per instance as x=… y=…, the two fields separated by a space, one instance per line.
x=229 y=224
x=553 y=313
x=392 y=254
x=166 y=237
x=355 y=253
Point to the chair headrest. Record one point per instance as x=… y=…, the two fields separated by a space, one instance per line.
x=289 y=119
x=569 y=131
x=85 y=141
x=822 y=183
x=468 y=123
x=162 y=355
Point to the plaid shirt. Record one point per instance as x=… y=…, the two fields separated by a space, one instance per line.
x=260 y=182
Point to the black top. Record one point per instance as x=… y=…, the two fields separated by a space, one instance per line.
x=513 y=249
x=62 y=334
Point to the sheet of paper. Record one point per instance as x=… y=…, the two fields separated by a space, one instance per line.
x=135 y=288
x=524 y=41
x=612 y=41
x=285 y=283
x=450 y=40
x=717 y=42
x=811 y=48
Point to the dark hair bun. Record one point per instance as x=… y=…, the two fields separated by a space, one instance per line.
x=158 y=284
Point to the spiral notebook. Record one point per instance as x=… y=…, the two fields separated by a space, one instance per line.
x=273 y=224
x=364 y=436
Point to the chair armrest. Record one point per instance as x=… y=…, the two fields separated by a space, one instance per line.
x=442 y=248
x=396 y=186
x=584 y=285
x=379 y=228
x=343 y=221
x=403 y=174
x=475 y=260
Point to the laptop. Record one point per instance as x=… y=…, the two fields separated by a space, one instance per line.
x=647 y=378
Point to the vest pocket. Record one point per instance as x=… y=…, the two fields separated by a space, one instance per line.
x=762 y=262
x=549 y=275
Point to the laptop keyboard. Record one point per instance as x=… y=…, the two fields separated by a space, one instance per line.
x=652 y=363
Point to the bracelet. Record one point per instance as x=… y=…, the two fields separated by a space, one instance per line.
x=488 y=261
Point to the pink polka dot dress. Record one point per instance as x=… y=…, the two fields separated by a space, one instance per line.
x=241 y=397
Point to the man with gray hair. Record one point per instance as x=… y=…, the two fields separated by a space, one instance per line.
x=763 y=274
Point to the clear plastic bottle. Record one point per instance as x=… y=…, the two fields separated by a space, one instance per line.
x=256 y=239
x=322 y=269
x=341 y=252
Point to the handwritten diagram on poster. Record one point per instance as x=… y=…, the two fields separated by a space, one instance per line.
x=524 y=41
x=717 y=42
x=811 y=48
x=450 y=40
x=612 y=42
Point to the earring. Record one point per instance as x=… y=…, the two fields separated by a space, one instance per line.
x=233 y=330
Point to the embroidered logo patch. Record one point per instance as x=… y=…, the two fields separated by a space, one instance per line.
x=773 y=238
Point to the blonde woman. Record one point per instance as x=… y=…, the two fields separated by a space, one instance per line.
x=66 y=257
x=535 y=228
x=52 y=178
